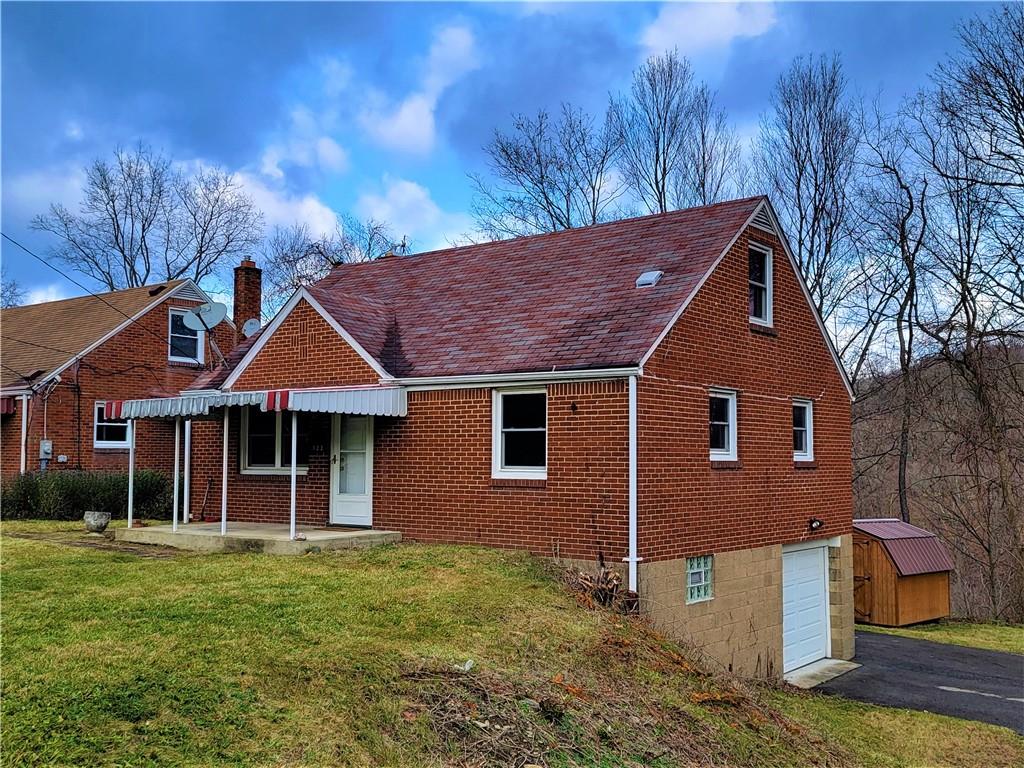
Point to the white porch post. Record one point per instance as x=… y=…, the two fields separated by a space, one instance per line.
x=224 y=478
x=295 y=442
x=24 y=433
x=177 y=467
x=186 y=512
x=131 y=471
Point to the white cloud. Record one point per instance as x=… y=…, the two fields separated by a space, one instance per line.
x=31 y=193
x=699 y=27
x=411 y=211
x=41 y=293
x=306 y=145
x=283 y=208
x=409 y=124
x=337 y=76
x=72 y=130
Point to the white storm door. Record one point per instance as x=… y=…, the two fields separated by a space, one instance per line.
x=352 y=470
x=804 y=607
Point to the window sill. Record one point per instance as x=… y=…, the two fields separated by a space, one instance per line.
x=284 y=471
x=726 y=464
x=763 y=330
x=519 y=482
x=185 y=364
x=805 y=464
x=110 y=448
x=701 y=600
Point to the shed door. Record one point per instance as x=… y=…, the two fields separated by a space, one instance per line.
x=804 y=607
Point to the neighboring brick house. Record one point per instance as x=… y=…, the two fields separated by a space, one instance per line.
x=658 y=392
x=62 y=360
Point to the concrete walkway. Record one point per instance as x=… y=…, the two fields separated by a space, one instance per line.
x=256 y=537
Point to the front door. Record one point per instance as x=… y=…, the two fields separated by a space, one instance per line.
x=352 y=470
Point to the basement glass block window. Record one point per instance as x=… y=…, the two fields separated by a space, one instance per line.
x=698 y=578
x=520 y=434
x=108 y=432
x=760 y=285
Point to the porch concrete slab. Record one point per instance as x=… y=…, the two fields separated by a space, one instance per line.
x=819 y=672
x=256 y=537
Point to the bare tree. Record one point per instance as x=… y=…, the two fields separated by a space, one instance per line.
x=653 y=123
x=294 y=257
x=551 y=175
x=11 y=292
x=141 y=219
x=711 y=159
x=805 y=158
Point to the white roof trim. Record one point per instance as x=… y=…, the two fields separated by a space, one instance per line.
x=279 y=318
x=763 y=207
x=529 y=377
x=164 y=296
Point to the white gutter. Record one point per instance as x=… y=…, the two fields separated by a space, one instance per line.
x=24 y=433
x=529 y=377
x=632 y=558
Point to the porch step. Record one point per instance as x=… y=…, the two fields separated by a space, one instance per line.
x=251 y=537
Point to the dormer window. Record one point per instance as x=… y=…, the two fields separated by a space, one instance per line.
x=184 y=345
x=760 y=284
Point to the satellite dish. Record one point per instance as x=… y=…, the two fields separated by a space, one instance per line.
x=205 y=316
x=250 y=327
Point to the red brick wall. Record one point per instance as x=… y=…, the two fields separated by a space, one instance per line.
x=133 y=364
x=305 y=351
x=432 y=475
x=687 y=505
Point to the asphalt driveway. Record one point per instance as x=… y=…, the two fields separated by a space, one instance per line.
x=970 y=683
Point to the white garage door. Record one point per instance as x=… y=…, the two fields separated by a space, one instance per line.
x=804 y=607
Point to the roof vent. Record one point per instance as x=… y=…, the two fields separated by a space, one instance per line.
x=648 y=279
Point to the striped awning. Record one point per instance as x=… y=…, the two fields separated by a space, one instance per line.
x=362 y=401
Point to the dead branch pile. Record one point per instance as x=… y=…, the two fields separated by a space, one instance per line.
x=603 y=588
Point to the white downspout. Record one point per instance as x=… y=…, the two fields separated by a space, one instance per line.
x=24 y=433
x=632 y=559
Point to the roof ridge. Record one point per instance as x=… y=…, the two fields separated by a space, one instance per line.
x=167 y=283
x=543 y=235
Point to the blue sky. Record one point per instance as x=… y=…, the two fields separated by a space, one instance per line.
x=381 y=109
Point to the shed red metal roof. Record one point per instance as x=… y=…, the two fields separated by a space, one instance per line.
x=913 y=550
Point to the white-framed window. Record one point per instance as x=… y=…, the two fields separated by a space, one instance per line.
x=760 y=284
x=699 y=572
x=183 y=344
x=519 y=433
x=267 y=442
x=108 y=432
x=803 y=430
x=722 y=424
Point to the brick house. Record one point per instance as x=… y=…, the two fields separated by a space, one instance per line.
x=657 y=393
x=63 y=360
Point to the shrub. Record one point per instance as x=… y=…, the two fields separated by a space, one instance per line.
x=66 y=495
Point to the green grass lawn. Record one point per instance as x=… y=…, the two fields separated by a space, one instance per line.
x=350 y=659
x=994 y=637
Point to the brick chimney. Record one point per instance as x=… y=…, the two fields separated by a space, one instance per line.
x=248 y=295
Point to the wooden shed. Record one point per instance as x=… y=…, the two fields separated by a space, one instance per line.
x=900 y=573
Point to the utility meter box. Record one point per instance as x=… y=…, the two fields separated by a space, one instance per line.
x=46 y=449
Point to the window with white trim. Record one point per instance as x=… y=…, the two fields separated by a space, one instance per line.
x=108 y=432
x=760 y=284
x=722 y=424
x=184 y=345
x=267 y=442
x=699 y=571
x=519 y=433
x=803 y=430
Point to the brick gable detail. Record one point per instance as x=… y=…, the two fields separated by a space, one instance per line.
x=305 y=351
x=687 y=504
